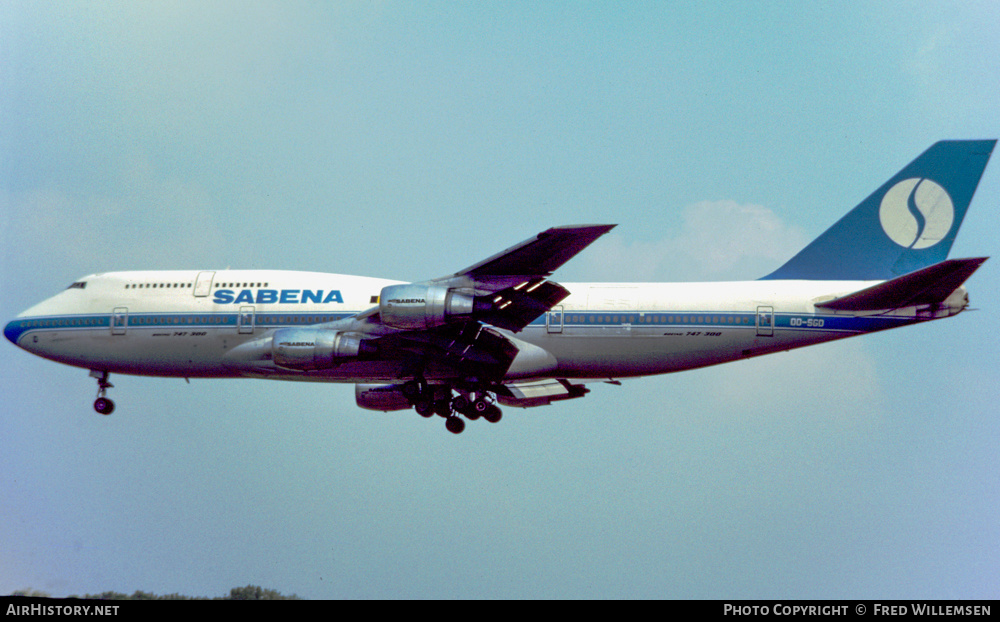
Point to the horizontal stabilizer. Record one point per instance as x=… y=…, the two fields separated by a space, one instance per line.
x=931 y=285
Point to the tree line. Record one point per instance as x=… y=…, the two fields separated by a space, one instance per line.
x=250 y=592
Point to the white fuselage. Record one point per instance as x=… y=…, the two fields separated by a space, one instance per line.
x=183 y=323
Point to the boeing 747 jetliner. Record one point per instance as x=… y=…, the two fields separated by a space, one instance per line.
x=500 y=332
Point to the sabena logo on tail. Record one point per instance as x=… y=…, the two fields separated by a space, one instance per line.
x=916 y=213
x=909 y=223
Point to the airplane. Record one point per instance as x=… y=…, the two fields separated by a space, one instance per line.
x=500 y=332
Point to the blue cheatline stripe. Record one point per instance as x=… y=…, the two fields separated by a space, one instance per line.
x=15 y=329
x=571 y=319
x=838 y=323
x=651 y=319
x=686 y=319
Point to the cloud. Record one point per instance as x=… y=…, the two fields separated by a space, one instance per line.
x=717 y=240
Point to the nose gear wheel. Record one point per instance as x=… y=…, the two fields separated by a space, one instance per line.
x=103 y=404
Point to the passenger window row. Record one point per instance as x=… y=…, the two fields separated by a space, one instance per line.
x=691 y=318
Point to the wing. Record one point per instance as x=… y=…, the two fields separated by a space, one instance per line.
x=449 y=323
x=507 y=290
x=467 y=349
x=511 y=285
x=539 y=256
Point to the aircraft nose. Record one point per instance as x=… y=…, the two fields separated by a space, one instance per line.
x=12 y=331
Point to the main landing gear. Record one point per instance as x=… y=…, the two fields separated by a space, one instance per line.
x=103 y=404
x=429 y=400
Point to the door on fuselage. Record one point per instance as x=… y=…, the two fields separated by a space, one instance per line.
x=554 y=319
x=203 y=284
x=119 y=320
x=245 y=320
x=765 y=321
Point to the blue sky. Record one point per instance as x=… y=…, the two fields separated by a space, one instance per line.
x=407 y=140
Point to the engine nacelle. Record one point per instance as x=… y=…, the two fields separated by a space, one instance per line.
x=383 y=397
x=417 y=306
x=306 y=349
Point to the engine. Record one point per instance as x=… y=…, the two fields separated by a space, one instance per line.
x=384 y=397
x=417 y=306
x=306 y=349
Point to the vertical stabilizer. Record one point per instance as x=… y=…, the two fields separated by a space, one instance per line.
x=907 y=224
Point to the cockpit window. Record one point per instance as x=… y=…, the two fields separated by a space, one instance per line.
x=78 y=285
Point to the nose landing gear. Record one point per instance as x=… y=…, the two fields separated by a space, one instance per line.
x=103 y=404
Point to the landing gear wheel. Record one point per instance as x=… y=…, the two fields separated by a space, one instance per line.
x=492 y=414
x=463 y=405
x=443 y=408
x=104 y=406
x=424 y=408
x=454 y=424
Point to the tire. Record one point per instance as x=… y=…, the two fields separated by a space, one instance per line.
x=424 y=408
x=455 y=425
x=104 y=406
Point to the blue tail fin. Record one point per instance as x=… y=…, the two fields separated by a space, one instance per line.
x=907 y=224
